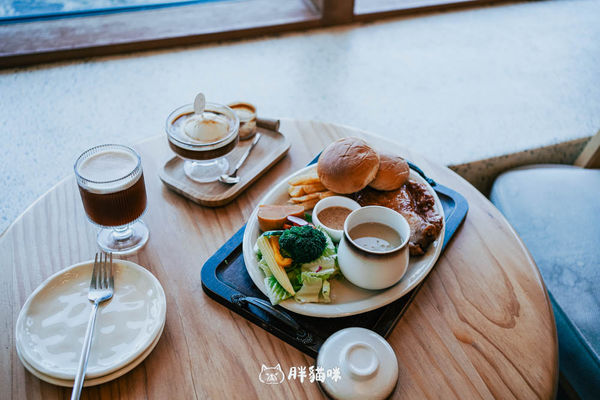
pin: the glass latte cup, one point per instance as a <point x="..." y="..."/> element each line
<point x="204" y="140"/>
<point x="112" y="189"/>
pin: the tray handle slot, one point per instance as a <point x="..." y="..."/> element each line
<point x="301" y="334"/>
<point x="420" y="172"/>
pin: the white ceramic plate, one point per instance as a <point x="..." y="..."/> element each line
<point x="346" y="299"/>
<point x="93" y="381"/>
<point x="52" y="323"/>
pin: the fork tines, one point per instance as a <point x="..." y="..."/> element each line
<point x="102" y="274"/>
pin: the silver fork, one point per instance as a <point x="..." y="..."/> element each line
<point x="101" y="289"/>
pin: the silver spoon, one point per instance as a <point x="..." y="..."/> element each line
<point x="232" y="179"/>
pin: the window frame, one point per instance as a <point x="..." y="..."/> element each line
<point x="57" y="39"/>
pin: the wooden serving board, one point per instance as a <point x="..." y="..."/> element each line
<point x="271" y="148"/>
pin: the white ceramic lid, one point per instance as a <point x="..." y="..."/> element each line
<point x="367" y="364"/>
<point x="52" y="323"/>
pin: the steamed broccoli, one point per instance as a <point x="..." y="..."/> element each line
<point x="303" y="243"/>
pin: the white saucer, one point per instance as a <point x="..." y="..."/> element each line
<point x="93" y="381"/>
<point x="52" y="323"/>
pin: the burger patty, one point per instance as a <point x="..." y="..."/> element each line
<point x="415" y="203"/>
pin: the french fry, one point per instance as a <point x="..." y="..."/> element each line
<point x="307" y="190"/>
<point x="306" y="197"/>
<point x="308" y="201"/>
<point x="301" y="190"/>
<point x="327" y="193"/>
<point x="305" y="179"/>
<point x="309" y="204"/>
<point x="313" y="187"/>
<point x="296" y="191"/>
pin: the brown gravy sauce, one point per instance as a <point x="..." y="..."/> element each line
<point x="334" y="217"/>
<point x="374" y="236"/>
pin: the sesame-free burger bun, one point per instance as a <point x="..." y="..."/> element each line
<point x="347" y="165"/>
<point x="392" y="174"/>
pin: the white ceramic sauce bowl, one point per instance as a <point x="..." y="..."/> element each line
<point x="371" y="269"/>
<point x="333" y="201"/>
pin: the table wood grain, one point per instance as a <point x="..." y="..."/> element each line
<point x="481" y="326"/>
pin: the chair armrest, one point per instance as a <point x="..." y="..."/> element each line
<point x="590" y="155"/>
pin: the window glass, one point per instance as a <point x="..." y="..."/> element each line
<point x="19" y="10"/>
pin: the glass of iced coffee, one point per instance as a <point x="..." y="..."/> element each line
<point x="203" y="140"/>
<point x="111" y="184"/>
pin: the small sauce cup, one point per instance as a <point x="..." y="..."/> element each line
<point x="246" y="112"/>
<point x="332" y="201"/>
<point x="371" y="269"/>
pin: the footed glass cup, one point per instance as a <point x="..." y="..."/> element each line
<point x="204" y="160"/>
<point x="113" y="192"/>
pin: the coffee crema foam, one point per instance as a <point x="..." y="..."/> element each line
<point x="108" y="165"/>
<point x="206" y="129"/>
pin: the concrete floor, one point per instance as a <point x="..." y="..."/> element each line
<point x="458" y="86"/>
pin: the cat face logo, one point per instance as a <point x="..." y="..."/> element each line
<point x="271" y="375"/>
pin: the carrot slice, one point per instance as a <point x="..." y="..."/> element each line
<point x="281" y="260"/>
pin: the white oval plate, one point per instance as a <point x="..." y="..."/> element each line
<point x="93" y="381"/>
<point x="52" y="323"/>
<point x="346" y="299"/>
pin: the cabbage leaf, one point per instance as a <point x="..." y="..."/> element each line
<point x="275" y="291"/>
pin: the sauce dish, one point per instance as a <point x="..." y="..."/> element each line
<point x="368" y="268"/>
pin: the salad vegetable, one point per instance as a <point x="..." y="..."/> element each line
<point x="282" y="261"/>
<point x="276" y="270"/>
<point x="303" y="243"/>
<point x="306" y="280"/>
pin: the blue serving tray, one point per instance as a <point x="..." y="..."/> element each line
<point x="225" y="279"/>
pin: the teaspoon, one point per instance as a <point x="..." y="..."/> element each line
<point x="199" y="104"/>
<point x="232" y="179"/>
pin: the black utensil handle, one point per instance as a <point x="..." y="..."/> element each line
<point x="420" y="172"/>
<point x="301" y="334"/>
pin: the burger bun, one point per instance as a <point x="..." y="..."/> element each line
<point x="392" y="174"/>
<point x="347" y="165"/>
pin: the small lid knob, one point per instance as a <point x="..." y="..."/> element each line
<point x="360" y="360"/>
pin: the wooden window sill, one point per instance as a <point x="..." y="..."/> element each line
<point x="65" y="38"/>
<point x="52" y="40"/>
<point x="369" y="10"/>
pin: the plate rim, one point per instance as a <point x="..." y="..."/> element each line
<point x="19" y="335"/>
<point x="300" y="308"/>
<point x="97" y="380"/>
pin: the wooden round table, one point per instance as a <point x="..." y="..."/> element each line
<point x="480" y="327"/>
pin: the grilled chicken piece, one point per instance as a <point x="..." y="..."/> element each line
<point x="415" y="203"/>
